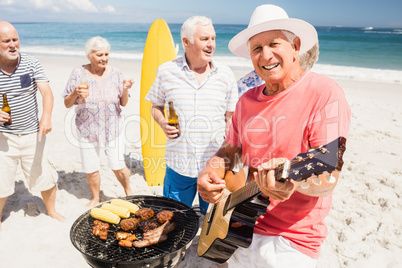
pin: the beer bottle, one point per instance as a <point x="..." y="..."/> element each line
<point x="173" y="118"/>
<point x="6" y="108"/>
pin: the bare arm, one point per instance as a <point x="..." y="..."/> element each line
<point x="70" y="99"/>
<point x="45" y="123"/>
<point x="228" y="121"/>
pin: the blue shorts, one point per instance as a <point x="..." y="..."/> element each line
<point x="182" y="188"/>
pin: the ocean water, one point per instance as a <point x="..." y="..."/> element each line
<point x="353" y="53"/>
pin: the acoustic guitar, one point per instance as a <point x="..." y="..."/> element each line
<point x="229" y="224"/>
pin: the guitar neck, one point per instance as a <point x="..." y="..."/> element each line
<point x="248" y="191"/>
<point x="326" y="158"/>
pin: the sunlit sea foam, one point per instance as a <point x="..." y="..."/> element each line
<point x="334" y="71"/>
<point x="359" y="74"/>
<point x="59" y="51"/>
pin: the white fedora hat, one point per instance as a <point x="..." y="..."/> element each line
<point x="271" y="17"/>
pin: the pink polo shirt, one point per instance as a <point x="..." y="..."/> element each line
<point x="311" y="112"/>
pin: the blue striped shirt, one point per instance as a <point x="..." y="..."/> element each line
<point x="21" y="88"/>
<point x="201" y="109"/>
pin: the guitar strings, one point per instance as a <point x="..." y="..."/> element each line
<point x="238" y="196"/>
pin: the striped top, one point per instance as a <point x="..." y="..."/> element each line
<point x="21" y="88"/>
<point x="201" y="110"/>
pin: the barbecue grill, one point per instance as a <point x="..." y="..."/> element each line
<point x="99" y="253"/>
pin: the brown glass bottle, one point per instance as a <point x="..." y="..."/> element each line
<point x="173" y="118"/>
<point x="6" y="108"/>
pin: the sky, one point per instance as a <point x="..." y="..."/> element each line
<point x="353" y="13"/>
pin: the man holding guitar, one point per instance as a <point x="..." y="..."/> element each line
<point x="293" y="112"/>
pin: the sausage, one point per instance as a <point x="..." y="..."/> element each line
<point x="148" y="242"/>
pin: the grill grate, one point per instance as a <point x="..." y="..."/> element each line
<point x="110" y="252"/>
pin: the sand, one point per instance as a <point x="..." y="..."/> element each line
<point x="364" y="223"/>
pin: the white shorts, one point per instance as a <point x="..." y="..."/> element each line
<point x="270" y="252"/>
<point x="27" y="152"/>
<point x="90" y="154"/>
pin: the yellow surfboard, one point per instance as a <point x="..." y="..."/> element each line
<point x="159" y="48"/>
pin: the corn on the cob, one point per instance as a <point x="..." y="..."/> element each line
<point x="105" y="215"/>
<point x="120" y="211"/>
<point x="126" y="204"/>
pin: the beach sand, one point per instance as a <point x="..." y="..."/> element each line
<point x="364" y="225"/>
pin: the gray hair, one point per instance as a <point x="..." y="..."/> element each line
<point x="289" y="35"/>
<point x="308" y="58"/>
<point x="189" y="27"/>
<point x="96" y="43"/>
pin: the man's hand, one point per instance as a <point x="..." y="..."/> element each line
<point x="269" y="186"/>
<point x="158" y="114"/>
<point x="45" y="126"/>
<point x="45" y="123"/>
<point x="210" y="186"/>
<point x="171" y="132"/>
<point x="4" y="117"/>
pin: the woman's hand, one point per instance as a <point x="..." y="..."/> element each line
<point x="83" y="92"/>
<point x="127" y="84"/>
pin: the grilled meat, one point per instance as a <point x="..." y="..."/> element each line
<point x="164" y="216"/>
<point x="148" y="242"/>
<point x="101" y="223"/>
<point x="165" y="228"/>
<point x="148" y="225"/>
<point x="125" y="239"/>
<point x="100" y="229"/>
<point x="122" y="235"/>
<point x="130" y="224"/>
<point x="126" y="243"/>
<point x="144" y="213"/>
